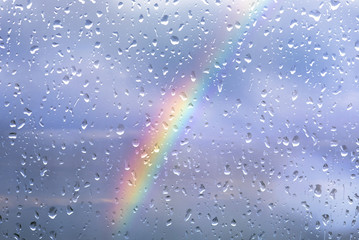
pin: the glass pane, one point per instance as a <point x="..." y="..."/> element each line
<point x="178" y="119"/>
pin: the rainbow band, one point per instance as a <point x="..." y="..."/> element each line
<point x="145" y="162"/>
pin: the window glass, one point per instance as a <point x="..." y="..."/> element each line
<point x="179" y="119"/>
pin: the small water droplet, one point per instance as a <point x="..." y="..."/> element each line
<point x="57" y="24"/>
<point x="135" y="142"/>
<point x="295" y="141"/>
<point x="69" y="210"/>
<point x="227" y="169"/>
<point x="188" y="215"/>
<point x="34" y="49"/>
<point x="325" y="167"/>
<point x="233" y="223"/>
<point x="12" y="135"/>
<point x="262" y="186"/>
<point x="33" y="226"/>
<point x="52" y="212"/>
<point x="177" y="170"/>
<point x="248" y="58"/>
<point x="332" y="193"/>
<point x="248" y="138"/>
<point x="357" y="45"/>
<point x="294" y="95"/>
<point x="66" y="80"/>
<point x="84" y="124"/>
<point x="334" y="4"/>
<point x="164" y="20"/>
<point x="174" y="40"/>
<point x="88" y="24"/>
<point x="315" y="14"/>
<point x="318" y="190"/>
<point x="120" y="129"/>
<point x="215" y="221"/>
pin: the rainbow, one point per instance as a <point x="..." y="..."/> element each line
<point x="174" y="113"/>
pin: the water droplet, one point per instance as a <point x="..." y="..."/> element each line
<point x="293" y="23"/>
<point x="295" y="141"/>
<point x="33" y="226"/>
<point x="248" y="138"/>
<point x="332" y="193"/>
<point x="315" y="14"/>
<point x="227" y="169"/>
<point x="215" y="221"/>
<point x="188" y="215"/>
<point x="57" y="24"/>
<point x="233" y="223"/>
<point x="325" y="219"/>
<point x="318" y="190"/>
<point x="294" y="95"/>
<point x="164" y="20"/>
<point x="176" y="170"/>
<point x="52" y="212"/>
<point x="248" y="58"/>
<point x="325" y="167"/>
<point x="357" y="45"/>
<point x="120" y="129"/>
<point x="97" y="176"/>
<point x="84" y="124"/>
<point x="193" y="76"/>
<point x="140" y="18"/>
<point x="334" y="4"/>
<point x="12" y="135"/>
<point x="69" y="210"/>
<point x="34" y="49"/>
<point x="132" y="45"/>
<point x="262" y="186"/>
<point x="135" y="142"/>
<point x="21" y="123"/>
<point x="27" y="112"/>
<point x="343" y="150"/>
<point x="174" y="40"/>
<point x="88" y="24"/>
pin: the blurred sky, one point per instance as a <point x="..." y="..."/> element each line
<point x="272" y="144"/>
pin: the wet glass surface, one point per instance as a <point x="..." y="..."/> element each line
<point x="178" y="119"/>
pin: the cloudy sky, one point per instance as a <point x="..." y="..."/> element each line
<point x="269" y="149"/>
